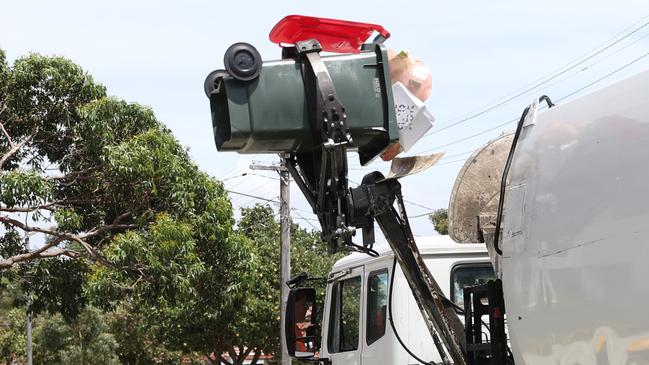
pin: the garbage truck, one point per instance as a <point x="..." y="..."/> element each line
<point x="368" y="314"/>
<point x="559" y="205"/>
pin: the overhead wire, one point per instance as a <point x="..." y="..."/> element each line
<point x="603" y="77"/>
<point x="253" y="196"/>
<point x="624" y="34"/>
<point x="558" y="100"/>
<point x="547" y="78"/>
<point x="307" y="220"/>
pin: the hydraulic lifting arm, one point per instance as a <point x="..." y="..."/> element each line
<point x="321" y="174"/>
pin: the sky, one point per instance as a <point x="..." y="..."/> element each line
<point x="481" y="53"/>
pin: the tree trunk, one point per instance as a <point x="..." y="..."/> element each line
<point x="255" y="358"/>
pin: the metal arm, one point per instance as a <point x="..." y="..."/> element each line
<point x="321" y="174"/>
<point x="374" y="199"/>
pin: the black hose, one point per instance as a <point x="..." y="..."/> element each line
<point x="394" y="329"/>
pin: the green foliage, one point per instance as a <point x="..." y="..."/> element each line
<point x="11" y="244"/>
<point x="12" y="336"/>
<point x="54" y="286"/>
<point x="439" y="218"/>
<point x="67" y="219"/>
<point x="163" y="257"/>
<point x="24" y="188"/>
<point x="257" y="323"/>
<point x="84" y="341"/>
<point x="40" y="98"/>
<point x="110" y="184"/>
<point x="121" y="187"/>
<point x="136" y="339"/>
<point x="51" y="337"/>
<point x="185" y="273"/>
<point x="116" y="188"/>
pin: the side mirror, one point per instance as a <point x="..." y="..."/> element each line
<point x="300" y="326"/>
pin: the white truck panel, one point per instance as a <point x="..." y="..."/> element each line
<point x="576" y="228"/>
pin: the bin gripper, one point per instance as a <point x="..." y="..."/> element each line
<point x="321" y="173"/>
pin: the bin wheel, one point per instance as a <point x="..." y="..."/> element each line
<point x="212" y="81"/>
<point x="242" y="61"/>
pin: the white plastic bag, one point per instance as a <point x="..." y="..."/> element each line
<point x="413" y="119"/>
<point x="412" y="82"/>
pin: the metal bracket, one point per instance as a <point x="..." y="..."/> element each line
<point x="494" y="350"/>
<point x="530" y="118"/>
<point x="322" y="174"/>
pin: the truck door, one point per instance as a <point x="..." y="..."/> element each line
<point x="343" y="337"/>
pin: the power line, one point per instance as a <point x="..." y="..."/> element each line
<point x="471" y="136"/>
<point x="420" y="215"/>
<point x="452" y="162"/>
<point x="604" y="77"/>
<point x="558" y="100"/>
<point x="234" y="172"/>
<point x="306" y="219"/>
<point x="253" y="196"/>
<point x="267" y="177"/>
<point x="489" y="107"/>
<point x="250" y="174"/>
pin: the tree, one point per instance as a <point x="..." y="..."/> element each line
<point x="12" y="336"/>
<point x="137" y="340"/>
<point x="103" y="181"/>
<point x="184" y="288"/>
<point x="85" y="341"/>
<point x="439" y="218"/>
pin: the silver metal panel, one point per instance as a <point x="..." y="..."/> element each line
<point x="575" y="233"/>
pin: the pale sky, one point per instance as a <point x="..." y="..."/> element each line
<point x="157" y="53"/>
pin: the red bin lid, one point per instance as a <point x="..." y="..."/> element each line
<point x="334" y="35"/>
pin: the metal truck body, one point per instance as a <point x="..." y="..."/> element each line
<point x="575" y="248"/>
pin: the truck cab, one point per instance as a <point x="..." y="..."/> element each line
<point x="355" y="326"/>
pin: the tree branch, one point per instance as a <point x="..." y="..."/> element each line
<point x="75" y="175"/>
<point x="233" y="354"/>
<point x="26" y="228"/>
<point x="245" y="354"/>
<point x="40" y="252"/>
<point x="4" y="131"/>
<point x="47" y="206"/>
<point x="62" y="236"/>
<point x="255" y="358"/>
<point x="14" y="148"/>
<point x="115" y="225"/>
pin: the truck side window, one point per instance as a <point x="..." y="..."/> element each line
<point x="377" y="304"/>
<point x="470" y="274"/>
<point x="344" y="313"/>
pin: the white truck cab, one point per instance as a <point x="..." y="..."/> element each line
<point x="355" y="326"/>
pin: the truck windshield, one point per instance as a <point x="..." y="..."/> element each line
<point x="470" y="274"/>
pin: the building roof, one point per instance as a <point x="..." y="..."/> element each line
<point x="428" y="246"/>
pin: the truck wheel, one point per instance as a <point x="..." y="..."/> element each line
<point x="212" y="81"/>
<point x="242" y="61"/>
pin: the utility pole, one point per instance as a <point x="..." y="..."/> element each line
<point x="29" y="334"/>
<point x="284" y="244"/>
<point x="29" y="318"/>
